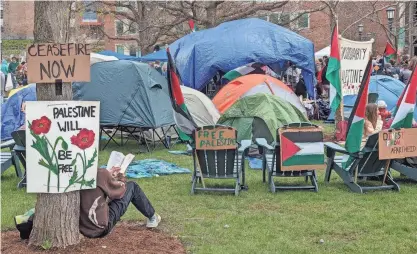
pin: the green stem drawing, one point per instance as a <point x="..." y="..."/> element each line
<point x="56" y="159"/>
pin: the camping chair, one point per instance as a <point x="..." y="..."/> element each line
<point x="272" y="162"/>
<point x="366" y="165"/>
<point x="219" y="163"/>
<point x="9" y="159"/>
<point x="20" y="150"/>
<point x="405" y="169"/>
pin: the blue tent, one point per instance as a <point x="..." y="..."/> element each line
<point x="130" y="93"/>
<point x="117" y="55"/>
<point x="12" y="117"/>
<point x="199" y="56"/>
<point x="160" y="55"/>
<point x="388" y="89"/>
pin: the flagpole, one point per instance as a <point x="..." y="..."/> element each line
<point x="339" y="112"/>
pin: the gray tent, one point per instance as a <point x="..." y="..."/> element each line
<point x="131" y="94"/>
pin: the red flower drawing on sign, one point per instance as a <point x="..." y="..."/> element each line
<point x="84" y="139"/>
<point x="41" y="125"/>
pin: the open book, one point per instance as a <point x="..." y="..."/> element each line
<point x="117" y="159"/>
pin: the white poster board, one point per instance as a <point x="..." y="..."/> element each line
<point x="354" y="58"/>
<point x="62" y="140"/>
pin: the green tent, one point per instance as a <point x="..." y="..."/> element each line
<point x="260" y="115"/>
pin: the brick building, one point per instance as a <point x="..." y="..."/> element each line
<point x="89" y="26"/>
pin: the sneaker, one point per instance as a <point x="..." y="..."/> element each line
<point x="154" y="221"/>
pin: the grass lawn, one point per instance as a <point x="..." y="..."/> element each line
<point x="259" y="221"/>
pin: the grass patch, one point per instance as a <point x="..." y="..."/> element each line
<point x="258" y="221"/>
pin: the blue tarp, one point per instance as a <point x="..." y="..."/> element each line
<point x="12" y="117"/>
<point x="389" y="90"/>
<point x="199" y="56"/>
<point x="160" y="55"/>
<point x="152" y="167"/>
<point x="117" y="55"/>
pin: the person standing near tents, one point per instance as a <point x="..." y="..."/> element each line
<point x="406" y="73"/>
<point x="12" y="70"/>
<point x="325" y="83"/>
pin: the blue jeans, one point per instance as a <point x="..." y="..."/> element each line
<point x="118" y="207"/>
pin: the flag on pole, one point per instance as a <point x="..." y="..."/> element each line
<point x="182" y="116"/>
<point x="404" y="114"/>
<point x="333" y="71"/>
<point x="357" y="118"/>
<point x="192" y="25"/>
<point x="389" y="52"/>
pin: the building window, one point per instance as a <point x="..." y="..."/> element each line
<point x="284" y="19"/>
<point x="132" y="28"/>
<point x="120" y="49"/>
<point x="119" y="27"/>
<point x="90" y="12"/>
<point x="1" y="14"/>
<point x="133" y="51"/>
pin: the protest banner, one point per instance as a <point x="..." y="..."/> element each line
<point x="218" y="138"/>
<point x="397" y="144"/>
<point x="67" y="62"/>
<point x="62" y="150"/>
<point x="354" y="58"/>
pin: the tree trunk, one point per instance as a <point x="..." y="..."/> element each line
<point x="56" y="220"/>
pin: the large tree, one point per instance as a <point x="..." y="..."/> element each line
<point x="164" y="22"/>
<point x="56" y="221"/>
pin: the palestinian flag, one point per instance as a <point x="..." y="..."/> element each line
<point x="357" y="118"/>
<point x="183" y="119"/>
<point x="389" y="52"/>
<point x="192" y="25"/>
<point x="301" y="150"/>
<point x="405" y="111"/>
<point x="333" y="72"/>
<point x="251" y="68"/>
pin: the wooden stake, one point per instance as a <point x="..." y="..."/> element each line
<point x="386" y="171"/>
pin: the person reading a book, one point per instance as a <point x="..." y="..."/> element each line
<point x="102" y="207"/>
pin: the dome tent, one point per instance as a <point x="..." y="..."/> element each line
<point x="131" y="94"/>
<point x="260" y="115"/>
<point x="200" y="107"/>
<point x="252" y="84"/>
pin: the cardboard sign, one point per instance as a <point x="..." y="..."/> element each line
<point x="301" y="149"/>
<point x="48" y="62"/>
<point x="397" y="144"/>
<point x="354" y="58"/>
<point x="62" y="140"/>
<point x="219" y="138"/>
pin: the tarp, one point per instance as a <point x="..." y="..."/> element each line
<point x="96" y="58"/>
<point x="160" y="55"/>
<point x="131" y="94"/>
<point x="253" y="84"/>
<point x="322" y="52"/>
<point x="200" y="107"/>
<point x="117" y="55"/>
<point x="12" y="117"/>
<point x="260" y="115"/>
<point x="389" y="90"/>
<point x="200" y="55"/>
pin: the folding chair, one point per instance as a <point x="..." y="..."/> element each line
<point x="9" y="159"/>
<point x="218" y="162"/>
<point x="365" y="165"/>
<point x="272" y="159"/>
<point x="20" y="149"/>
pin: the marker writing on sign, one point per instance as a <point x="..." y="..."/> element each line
<point x="64" y="155"/>
<point x="72" y="113"/>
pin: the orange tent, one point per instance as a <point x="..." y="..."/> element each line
<point x="253" y="84"/>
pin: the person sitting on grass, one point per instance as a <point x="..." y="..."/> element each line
<point x="102" y="207"/>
